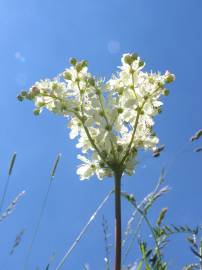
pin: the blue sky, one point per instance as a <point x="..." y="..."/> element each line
<point x="37" y="39"/>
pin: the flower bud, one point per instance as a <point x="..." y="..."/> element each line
<point x="84" y="118"/>
<point x="81" y="65"/>
<point x="73" y="61"/>
<point x="101" y="164"/>
<point x="20" y="97"/>
<point x="24" y="93"/>
<point x="54" y="86"/>
<point x="36" y="111"/>
<point x="160" y="85"/>
<point x="35" y="90"/>
<point x="91" y="81"/>
<point x="93" y="166"/>
<point x="134" y="150"/>
<point x="120" y="90"/>
<point x="67" y="75"/>
<point x="146" y="97"/>
<point x="159" y="110"/>
<point x="40" y="104"/>
<point x="134" y="56"/>
<point x="166" y="92"/>
<point x="141" y="63"/>
<point x="63" y="107"/>
<point x="108" y="127"/>
<point x="101" y="113"/>
<point x="98" y="92"/>
<point x="84" y="63"/>
<point x="120" y="110"/>
<point x="127" y="59"/>
<point x="130" y="58"/>
<point x="169" y="77"/>
<point x="140" y="143"/>
<point x="119" y="148"/>
<point x="151" y="80"/>
<point x="104" y="153"/>
<point x="82" y="91"/>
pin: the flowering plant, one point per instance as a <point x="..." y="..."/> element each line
<point x="112" y="119"/>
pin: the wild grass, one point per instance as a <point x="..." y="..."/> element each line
<point x="41" y="213"/>
<point x="10" y="169"/>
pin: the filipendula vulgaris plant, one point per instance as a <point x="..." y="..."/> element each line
<point x="113" y="120"/>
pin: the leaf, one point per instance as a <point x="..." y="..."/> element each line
<point x="12" y="162"/>
<point x="191" y="266"/>
<point x="47" y="267"/>
<point x="148" y="267"/>
<point x="192" y="241"/>
<point x="196" y="136"/>
<point x="129" y="197"/>
<point x="158" y="150"/>
<point x="148" y="253"/>
<point x="139" y="266"/>
<point x="143" y="248"/>
<point x="168" y="229"/>
<point x="161" y="216"/>
<point x="176" y="228"/>
<point x="199" y="149"/>
<point x="55" y="165"/>
<point x="196" y="252"/>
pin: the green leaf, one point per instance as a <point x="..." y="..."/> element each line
<point x="196" y="136"/>
<point x="139" y="266"/>
<point x="47" y="267"/>
<point x="168" y="229"/>
<point x="196" y="252"/>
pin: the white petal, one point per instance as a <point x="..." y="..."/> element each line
<point x="84" y="159"/>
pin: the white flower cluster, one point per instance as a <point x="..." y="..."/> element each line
<point x="112" y="119"/>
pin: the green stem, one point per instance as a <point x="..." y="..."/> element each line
<point x="107" y="122"/>
<point x="132" y="137"/>
<point x="135" y="125"/>
<point x="85" y="128"/>
<point x="92" y="141"/>
<point x="117" y="183"/>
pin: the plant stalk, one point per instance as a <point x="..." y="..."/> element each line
<point x="117" y="183"/>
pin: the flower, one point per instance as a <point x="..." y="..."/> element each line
<point x="86" y="169"/>
<point x="112" y="120"/>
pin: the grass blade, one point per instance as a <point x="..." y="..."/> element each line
<point x="44" y="203"/>
<point x="69" y="251"/>
<point x="10" y="169"/>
